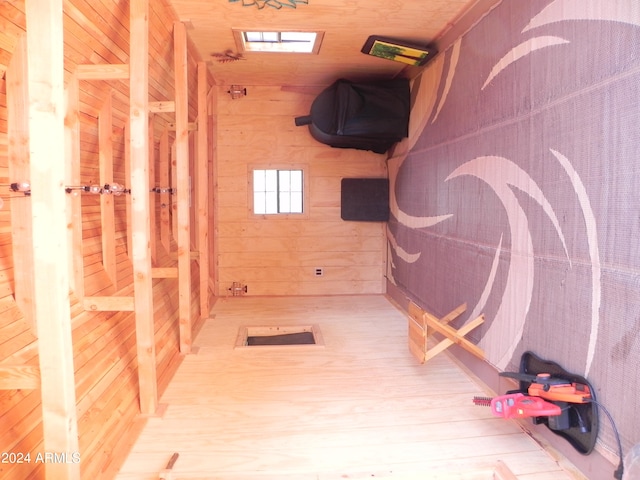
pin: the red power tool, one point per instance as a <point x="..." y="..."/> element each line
<point x="554" y="389"/>
<point x="518" y="405"/>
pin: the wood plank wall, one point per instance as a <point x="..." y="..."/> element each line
<point x="104" y="342"/>
<point x="275" y="255"/>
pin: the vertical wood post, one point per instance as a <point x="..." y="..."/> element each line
<point x="127" y="176"/>
<point x="19" y="170"/>
<point x="202" y="188"/>
<point x="164" y="181"/>
<point x="50" y="249"/>
<point x="107" y="204"/>
<point x="74" y="202"/>
<point x="152" y="196"/>
<point x="182" y="184"/>
<point x="139" y="151"/>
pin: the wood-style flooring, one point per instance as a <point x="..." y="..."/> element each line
<point x="358" y="407"/>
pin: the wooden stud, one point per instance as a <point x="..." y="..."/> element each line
<point x="213" y="198"/>
<point x="50" y="249"/>
<point x="422" y="324"/>
<point x="74" y="201"/>
<point x="165" y="198"/>
<point x="456" y="336"/>
<point x="182" y="185"/>
<point x="152" y="196"/>
<point x="139" y="151"/>
<point x="108" y="304"/>
<point x="162" y="107"/>
<point x="127" y="174"/>
<point x="164" y="272"/>
<point x="202" y="188"/>
<point x="191" y="126"/>
<point x="103" y="72"/>
<point x="14" y="377"/>
<point x="18" y="150"/>
<point x="107" y="205"/>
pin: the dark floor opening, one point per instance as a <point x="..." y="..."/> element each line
<point x="299" y="338"/>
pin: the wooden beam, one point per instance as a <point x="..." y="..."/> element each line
<point x="202" y="188"/>
<point x="107" y="205"/>
<point x="165" y="272"/>
<point x="19" y="377"/>
<point x="165" y="199"/>
<point x="192" y="255"/>
<point x="50" y="249"/>
<point x="103" y="72"/>
<point x="74" y="201"/>
<point x="127" y="175"/>
<point x="213" y="198"/>
<point x="456" y="336"/>
<point x="109" y="304"/>
<point x="162" y="107"/>
<point x="152" y="196"/>
<point x="191" y="126"/>
<point x="19" y="171"/>
<point x="182" y="185"/>
<point x="139" y="150"/>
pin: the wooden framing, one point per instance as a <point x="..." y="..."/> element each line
<point x="108" y="304"/>
<point x="423" y="324"/>
<point x="107" y="205"/>
<point x="74" y="202"/>
<point x="152" y="195"/>
<point x="18" y="150"/>
<point x="103" y="72"/>
<point x="202" y="188"/>
<point x="19" y="377"/>
<point x="165" y="199"/>
<point x="182" y="185"/>
<point x="139" y="151"/>
<point x="50" y="250"/>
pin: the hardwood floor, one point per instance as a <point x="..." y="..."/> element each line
<point x="358" y="407"/>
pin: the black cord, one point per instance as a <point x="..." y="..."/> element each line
<point x="620" y="470"/>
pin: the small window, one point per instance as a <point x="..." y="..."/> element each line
<point x="278" y="41"/>
<point x="277" y="191"/>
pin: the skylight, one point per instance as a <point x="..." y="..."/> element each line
<point x="278" y="41"/>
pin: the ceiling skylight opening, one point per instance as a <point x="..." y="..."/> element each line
<point x="278" y="41"/>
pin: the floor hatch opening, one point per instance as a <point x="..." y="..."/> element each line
<point x="294" y="335"/>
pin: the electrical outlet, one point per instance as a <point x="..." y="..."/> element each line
<point x="318" y="271"/>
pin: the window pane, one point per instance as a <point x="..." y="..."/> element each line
<point x="296" y="180"/>
<point x="296" y="202"/>
<point x="259" y="181"/>
<point x="285" y="180"/>
<point x="259" y="206"/>
<point x="253" y="36"/>
<point x="270" y="36"/>
<point x="277" y="191"/>
<point x="271" y="202"/>
<point x="285" y="202"/>
<point x="271" y="180"/>
<point x="308" y="37"/>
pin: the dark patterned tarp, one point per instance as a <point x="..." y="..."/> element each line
<point x="518" y="191"/>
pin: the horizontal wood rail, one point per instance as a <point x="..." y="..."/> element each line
<point x="19" y="377"/>
<point x="109" y="304"/>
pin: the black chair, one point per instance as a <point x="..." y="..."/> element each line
<point x="364" y="116"/>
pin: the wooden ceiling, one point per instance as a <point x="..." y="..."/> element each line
<point x="347" y="25"/>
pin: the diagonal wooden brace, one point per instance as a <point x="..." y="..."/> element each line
<point x="452" y="336"/>
<point x="422" y="324"/>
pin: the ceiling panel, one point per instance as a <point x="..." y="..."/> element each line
<point x="347" y="25"/>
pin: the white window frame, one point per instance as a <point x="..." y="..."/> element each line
<point x="277" y="214"/>
<point x="274" y="42"/>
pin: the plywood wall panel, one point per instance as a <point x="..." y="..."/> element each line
<point x="277" y="256"/>
<point x="104" y="342"/>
